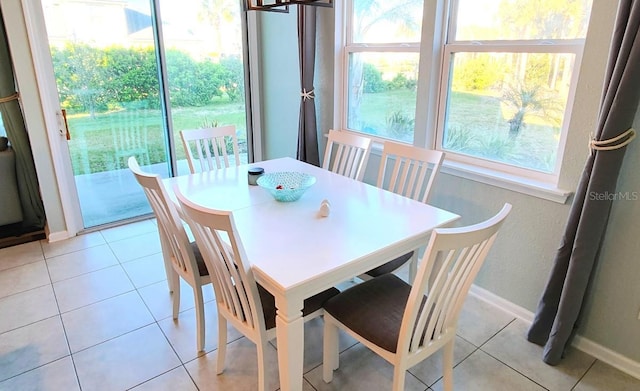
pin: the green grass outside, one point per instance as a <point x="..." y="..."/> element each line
<point x="92" y="144"/>
<point x="377" y="107"/>
<point x="477" y="125"/>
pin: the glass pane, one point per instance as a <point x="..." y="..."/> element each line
<point x="382" y="94"/>
<point x="203" y="45"/>
<point x="391" y="21"/>
<point x="479" y="20"/>
<point x="105" y="66"/>
<point x="508" y="107"/>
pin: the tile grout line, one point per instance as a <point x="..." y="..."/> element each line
<point x="504" y="363"/>
<point x="64" y="329"/>
<point x="584" y="374"/>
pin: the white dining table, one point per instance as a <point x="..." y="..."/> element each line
<point x="295" y="252"/>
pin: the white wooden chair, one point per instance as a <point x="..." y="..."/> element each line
<point x="405" y="324"/>
<point x="130" y="137"/>
<point x="347" y="154"/>
<point x="248" y="306"/>
<point x="182" y="257"/>
<point x="207" y="148"/>
<point x="409" y="171"/>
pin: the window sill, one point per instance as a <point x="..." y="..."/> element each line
<point x="499" y="179"/>
<point x="506" y="181"/>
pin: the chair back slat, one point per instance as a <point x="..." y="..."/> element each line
<point x="208" y="147"/>
<point x="234" y="284"/>
<point x="346" y="154"/>
<point x="172" y="232"/>
<point x="453" y="286"/>
<point x="408" y="170"/>
<point x="453" y="258"/>
<point x="130" y="137"/>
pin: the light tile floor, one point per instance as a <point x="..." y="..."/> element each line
<point x="94" y="313"/>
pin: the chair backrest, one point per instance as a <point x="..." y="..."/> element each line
<point x="130" y="136"/>
<point x="408" y="170"/>
<point x="350" y="154"/>
<point x="173" y="236"/>
<point x="451" y="262"/>
<point x="235" y="287"/>
<point x="208" y="148"/>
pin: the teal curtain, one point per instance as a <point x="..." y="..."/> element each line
<point x="32" y="207"/>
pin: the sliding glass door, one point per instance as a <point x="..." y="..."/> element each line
<point x="203" y="46"/>
<point x="130" y="75"/>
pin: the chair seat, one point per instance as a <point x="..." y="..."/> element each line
<point x="383" y="298"/>
<point x="390" y="266"/>
<point x="202" y="267"/>
<point x="311" y="304"/>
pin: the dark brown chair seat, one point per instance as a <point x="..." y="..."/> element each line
<point x="383" y="299"/>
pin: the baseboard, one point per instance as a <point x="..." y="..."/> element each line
<point x="57" y="236"/>
<point x="608" y="356"/>
<point x="583" y="344"/>
<point x="503" y="304"/>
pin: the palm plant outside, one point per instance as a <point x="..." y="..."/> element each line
<point x="528" y="101"/>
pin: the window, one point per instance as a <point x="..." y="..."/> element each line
<point x="381" y="61"/>
<point x="504" y="76"/>
<point x="509" y="74"/>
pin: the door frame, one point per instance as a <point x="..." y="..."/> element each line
<point x="52" y="114"/>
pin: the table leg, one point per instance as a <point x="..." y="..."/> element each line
<point x="290" y="333"/>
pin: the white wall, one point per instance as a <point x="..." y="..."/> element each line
<point x="280" y="100"/>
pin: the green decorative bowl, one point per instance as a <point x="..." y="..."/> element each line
<point x="286" y="186"/>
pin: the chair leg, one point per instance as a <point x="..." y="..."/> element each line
<point x="199" y="302"/>
<point x="176" y="295"/>
<point x="222" y="343"/>
<point x="447" y="365"/>
<point x="169" y="278"/>
<point x="399" y="373"/>
<point x="262" y="381"/>
<point x="330" y="353"/>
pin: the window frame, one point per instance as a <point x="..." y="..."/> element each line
<point x="428" y="131"/>
<point x="573" y="46"/>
